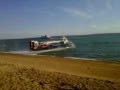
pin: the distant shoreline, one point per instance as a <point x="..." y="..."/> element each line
<point x="38" y="36"/>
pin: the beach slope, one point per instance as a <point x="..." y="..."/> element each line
<point x="26" y="72"/>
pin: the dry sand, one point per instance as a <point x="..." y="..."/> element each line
<point x="57" y="73"/>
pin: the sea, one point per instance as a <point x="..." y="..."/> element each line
<point x="93" y="47"/>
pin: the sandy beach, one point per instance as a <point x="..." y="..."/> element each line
<point x="64" y="73"/>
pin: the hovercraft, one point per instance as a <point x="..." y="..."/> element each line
<point x="50" y="44"/>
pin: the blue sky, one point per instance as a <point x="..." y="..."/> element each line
<point x="30" y="18"/>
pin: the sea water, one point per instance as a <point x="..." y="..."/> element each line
<point x="97" y="46"/>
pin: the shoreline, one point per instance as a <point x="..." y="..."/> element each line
<point x="67" y="57"/>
